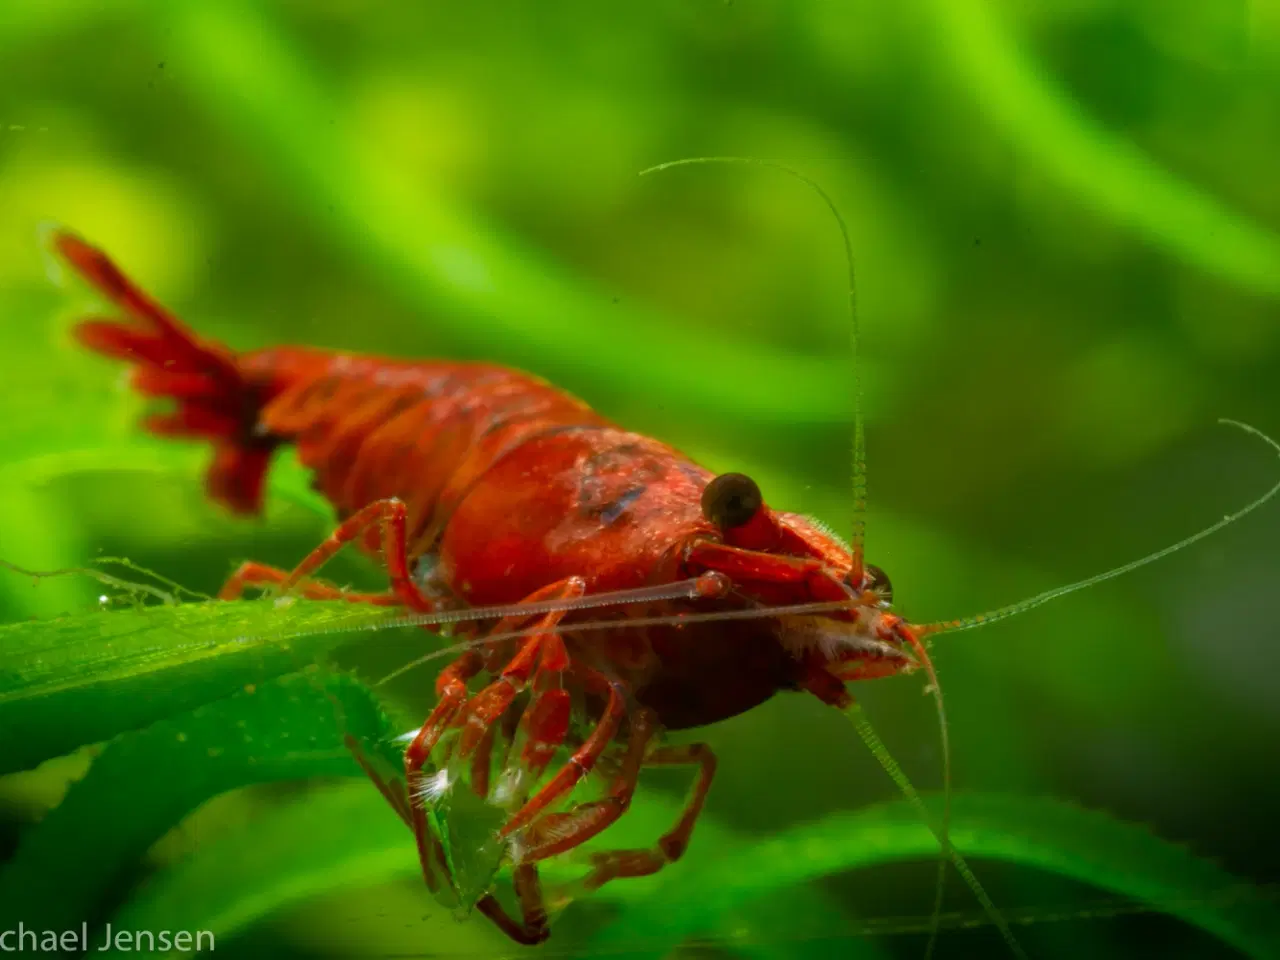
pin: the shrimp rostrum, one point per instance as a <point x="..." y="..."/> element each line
<point x="614" y="588"/>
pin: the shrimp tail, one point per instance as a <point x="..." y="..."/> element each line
<point x="214" y="399"/>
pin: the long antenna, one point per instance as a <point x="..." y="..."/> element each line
<point x="1022" y="606"/>
<point x="869" y="736"/>
<point x="859" y="532"/>
<point x="856" y="551"/>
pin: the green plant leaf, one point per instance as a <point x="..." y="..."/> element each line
<point x="1104" y="171"/>
<point x="345" y="837"/>
<point x="1047" y="834"/>
<point x="337" y="838"/>
<point x="106" y="672"/>
<point x="144" y="782"/>
<point x="83" y="679"/>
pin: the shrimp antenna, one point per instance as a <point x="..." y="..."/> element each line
<point x="857" y="543"/>
<point x="859" y="532"/>
<point x="1022" y="606"/>
<point x="874" y="744"/>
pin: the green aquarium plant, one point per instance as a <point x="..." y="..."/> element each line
<point x="1064" y="222"/>
<point x="209" y="731"/>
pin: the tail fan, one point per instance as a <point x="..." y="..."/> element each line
<point x="215" y="401"/>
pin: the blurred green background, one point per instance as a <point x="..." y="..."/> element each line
<point x="1066" y="221"/>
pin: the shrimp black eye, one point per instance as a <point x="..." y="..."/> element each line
<point x="730" y="500"/>
<point x="875" y="579"/>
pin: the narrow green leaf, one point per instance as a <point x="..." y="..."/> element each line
<point x="1050" y="835"/>
<point x="345" y="838"/>
<point x="1104" y="171"/>
<point x="82" y="679"/>
<point x="144" y="782"/>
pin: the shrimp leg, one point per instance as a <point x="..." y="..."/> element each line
<point x="254" y="574"/>
<point x="579" y="765"/>
<point x="477" y="716"/>
<point x="451" y="691"/>
<point x="614" y="864"/>
<point x="550" y="834"/>
<point x="532" y="928"/>
<point x="565" y="831"/>
<point x="390" y="516"/>
<point x="544" y="651"/>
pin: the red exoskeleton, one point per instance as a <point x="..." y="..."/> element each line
<point x="497" y="501"/>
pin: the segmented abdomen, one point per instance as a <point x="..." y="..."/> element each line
<point x="372" y="428"/>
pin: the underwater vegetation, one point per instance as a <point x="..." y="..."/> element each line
<point x="1065" y="232"/>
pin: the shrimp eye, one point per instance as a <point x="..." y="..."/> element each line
<point x="876" y="580"/>
<point x="730" y="500"/>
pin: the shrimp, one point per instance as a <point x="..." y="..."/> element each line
<point x="613" y="588"/>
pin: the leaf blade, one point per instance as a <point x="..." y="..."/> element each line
<point x="85" y="678"/>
